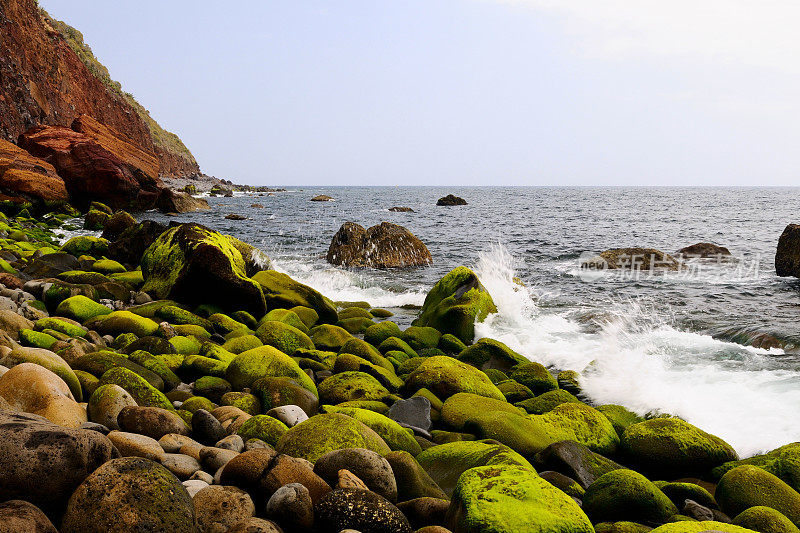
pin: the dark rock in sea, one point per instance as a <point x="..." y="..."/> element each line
<point x="703" y="250"/>
<point x="401" y="210"/>
<point x="787" y="257"/>
<point x="451" y="199"/>
<point x="257" y="206"/>
<point x="234" y="216"/>
<point x="385" y="245"/>
<point x="116" y="224"/>
<point x="361" y="510"/>
<point x="180" y="202"/>
<point x="133" y="241"/>
<point x="632" y="259"/>
<point x="322" y="198"/>
<point x="17" y="516"/>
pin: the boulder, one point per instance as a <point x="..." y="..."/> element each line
<point x="359" y="510"/>
<point x="105" y="404"/>
<point x="323" y="433"/>
<point x="489" y="353"/>
<point x="322" y="198"/>
<point x="445" y="376"/>
<point x="411" y="479"/>
<point x="130" y="494"/>
<point x="385" y="245"/>
<point x="180" y="202"/>
<point x="90" y="171"/>
<point x="218" y="508"/>
<point x="629" y="496"/>
<point x="42" y="462"/>
<point x="32" y="388"/>
<point x="401" y="209"/>
<point x="28" y="178"/>
<point x="153" y="422"/>
<point x="787" y="256"/>
<point x="116" y="224"/>
<point x="397" y="437"/>
<point x="262" y="362"/>
<point x="703" y="250"/>
<point x="451" y="200"/>
<point x="282" y="292"/>
<point x="196" y="265"/>
<point x="506" y="498"/>
<point x="18" y="516"/>
<point x="369" y="466"/>
<point x="575" y="461"/>
<point x="631" y="259"/>
<point x="455" y="303"/>
<point x="748" y="486"/>
<point x="762" y="518"/>
<point x="129" y="245"/>
<point x="49" y="360"/>
<point x="292" y="507"/>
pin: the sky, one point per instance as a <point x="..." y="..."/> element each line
<point x="464" y="92"/>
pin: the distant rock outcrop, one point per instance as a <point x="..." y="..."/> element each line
<point x="382" y="246"/>
<point x="24" y="178"/>
<point x="451" y="199"/>
<point x="787" y="257"/>
<point x="632" y="259"/>
<point x="401" y="210"/>
<point x="180" y="202"/>
<point x="322" y="198"/>
<point x="703" y="250"/>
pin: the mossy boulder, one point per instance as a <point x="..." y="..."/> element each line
<point x="765" y="520"/>
<point x="506" y="499"/>
<point x="276" y="392"/>
<point x="783" y="462"/>
<point x="455" y="303"/>
<point x="108" y="266"/>
<point x="673" y="448"/>
<point x="265" y="361"/>
<point x="98" y="363"/>
<point x="263" y="427"/>
<point x="396" y="344"/>
<point x="196" y="265"/>
<point x="145" y="394"/>
<point x="698" y="527"/>
<point x="679" y="492"/>
<point x="348" y="362"/>
<point x="158" y="366"/>
<point x="62" y="326"/>
<point x="398" y="438"/>
<point x="212" y="387"/>
<point x="366" y="351"/>
<point x="515" y="392"/>
<point x="81" y="308"/>
<point x="288" y="317"/>
<point x="329" y="337"/>
<point x="459" y="408"/>
<point x="355" y="325"/>
<point x="451" y="344"/>
<point x="627" y="495"/>
<point x="178" y="316"/>
<point x="354" y="312"/>
<point x="324" y="433"/>
<point x="445" y="463"/>
<point x="353" y="385"/>
<point x="445" y="376"/>
<point x="185" y="345"/>
<point x="621" y="417"/>
<point x="546" y="402"/>
<point x="118" y="322"/>
<point x="377" y="333"/>
<point x="84" y="245"/>
<point x="748" y="486"/>
<point x="241" y="344"/>
<point x="535" y="376"/>
<point x="50" y="360"/>
<point x="282" y="336"/>
<point x="36" y="339"/>
<point x="249" y="403"/>
<point x="421" y="337"/>
<point x="282" y="292"/>
<point x="489" y="353"/>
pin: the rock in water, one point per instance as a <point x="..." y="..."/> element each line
<point x="385" y="245"/>
<point x="180" y="202"/>
<point x="196" y="265"/>
<point x="451" y="199"/>
<point x="322" y="198"/>
<point x="400" y="209"/>
<point x="455" y="303"/>
<point x="704" y="250"/>
<point x="787" y="257"/>
<point x="632" y="259"/>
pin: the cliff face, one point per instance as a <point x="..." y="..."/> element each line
<point x="49" y="76"/>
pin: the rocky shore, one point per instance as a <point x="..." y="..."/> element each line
<point x="165" y="379"/>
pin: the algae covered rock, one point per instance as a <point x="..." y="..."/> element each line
<point x="455" y="303"/>
<point x="282" y="292"/>
<point x="51" y="361"/>
<point x="283" y="336"/>
<point x="489" y="353"/>
<point x="674" y="448"/>
<point x="765" y="520"/>
<point x="196" y="265"/>
<point x="629" y="496"/>
<point x="697" y="527"/>
<point x="263" y="427"/>
<point x="138" y="387"/>
<point x="507" y="499"/>
<point x="390" y="431"/>
<point x="352" y="385"/>
<point x="265" y="361"/>
<point x="323" y="433"/>
<point x="748" y="486"/>
<point x="81" y="308"/>
<point x="445" y="376"/>
<point x="119" y="322"/>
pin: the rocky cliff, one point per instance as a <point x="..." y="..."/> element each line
<point x="48" y="75"/>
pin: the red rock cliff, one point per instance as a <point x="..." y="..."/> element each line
<point x="49" y="76"/>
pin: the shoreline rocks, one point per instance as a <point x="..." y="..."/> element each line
<point x="451" y="200"/>
<point x="631" y="259"/>
<point x="384" y="245"/>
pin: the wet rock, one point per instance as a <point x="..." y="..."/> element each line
<point x="411" y="479"/>
<point x="133" y="241"/>
<point x="129" y="495"/>
<point x="360" y="510"/>
<point x="235" y="216"/>
<point x="180" y="202"/>
<point x="451" y="200"/>
<point x="246" y="469"/>
<point x="382" y="246"/>
<point x="231" y="442"/>
<point x="18" y="516"/>
<point x="575" y="461"/>
<point x="627" y="495"/>
<point x="217" y="508"/>
<point x="292" y="507"/>
<point x="153" y="422"/>
<point x="400" y="209"/>
<point x="32" y="388"/>
<point x="703" y="250"/>
<point x="414" y="412"/>
<point x="216" y="458"/>
<point x="787" y="256"/>
<point x="322" y="198"/>
<point x="631" y="259"/>
<point x="367" y="465"/>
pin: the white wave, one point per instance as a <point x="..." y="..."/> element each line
<point x="63" y="235"/>
<point x="643" y="362"/>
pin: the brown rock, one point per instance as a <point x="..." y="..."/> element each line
<point x="12" y="323"/>
<point x="423" y="512"/>
<point x="348" y="480"/>
<point x="291" y="506"/>
<point x="632" y="259"/>
<point x="217" y="508"/>
<point x="17" y="516"/>
<point x="322" y="198"/>
<point x="401" y="210"/>
<point x="704" y="249"/>
<point x="234" y="216"/>
<point x="133" y="445"/>
<point x="256" y="525"/>
<point x="32" y="388"/>
<point x="361" y="510"/>
<point x="180" y="202"/>
<point x="246" y="469"/>
<point x="450" y="200"/>
<point x="372" y="469"/>
<point x="116" y="224"/>
<point x="286" y="469"/>
<point x="153" y="422"/>
<point x="118" y="144"/>
<point x="33" y="179"/>
<point x="11" y="281"/>
<point x="385" y="245"/>
<point x="787" y="257"/>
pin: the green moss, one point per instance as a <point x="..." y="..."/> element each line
<point x="621" y="527"/>
<point x="98" y="363"/>
<point x="619" y="416"/>
<point x="156" y="365"/>
<point x="245" y="318"/>
<point x="190" y="330"/>
<point x="176" y="315"/>
<point x="547" y="401"/>
<point x="513" y="391"/>
<point x="366" y="351"/>
<point x="698" y="527"/>
<point x="534" y="376"/>
<point x="498" y="376"/>
<point x="265" y="361"/>
<point x="81" y="308"/>
<point x="748" y="486"/>
<point x="355" y="325"/>
<point x="765" y="520"/>
<point x="420" y="337"/>
<point x="329" y="337"/>
<point x="263" y="427"/>
<point x="679" y="492"/>
<point x="626" y="495"/>
<point x="185" y="345"/>
<point x="282" y="336"/>
<point x="89" y="383"/>
<point x="198" y="402"/>
<point x="85" y="245"/>
<point x="118" y="322"/>
<point x="377" y="333"/>
<point x="287" y="317"/>
<point x="212" y="387"/>
<point x="397" y="344"/>
<point x="451" y="344"/>
<point x="445" y="376"/>
<point x="123" y="340"/>
<point x="390" y="431"/>
<point x="81" y="276"/>
<point x="354" y="312"/>
<point x="36" y="339"/>
<point x="348" y="362"/>
<point x="51" y="361"/>
<point x="783" y="462"/>
<point x="223" y="322"/>
<point x="502" y="499"/>
<point x="198" y="365"/>
<point x="369" y="405"/>
<point x="348" y="386"/>
<point x="458" y="409"/>
<point x="436" y="403"/>
<point x="241" y="344"/>
<point x="249" y="403"/>
<point x="108" y="266"/>
<point x="674" y="448"/>
<point x="323" y="433"/>
<point x="149" y="309"/>
<point x="324" y="359"/>
<point x="282" y="292"/>
<point x="60" y="325"/>
<point x="455" y="303"/>
<point x="138" y="387"/>
<point x="489" y="353"/>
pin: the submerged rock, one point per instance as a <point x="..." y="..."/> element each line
<point x="385" y="245"/>
<point x="400" y="209"/>
<point x="631" y="259"/>
<point x="322" y="198"/>
<point x="703" y="250"/>
<point x="451" y="199"/>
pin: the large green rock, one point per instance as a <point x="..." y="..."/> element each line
<point x="85" y="245"/>
<point x="748" y="486"/>
<point x="489" y="353"/>
<point x="352" y="385"/>
<point x="765" y="520"/>
<point x="784" y="462"/>
<point x="672" y="448"/>
<point x="625" y="495"/>
<point x="263" y="427"/>
<point x="324" y="433"/>
<point x="138" y="387"/>
<point x="445" y="376"/>
<point x="282" y="336"/>
<point x="119" y="322"/>
<point x="535" y="376"/>
<point x="455" y="303"/>
<point x="81" y="308"/>
<point x="329" y="337"/>
<point x="265" y="361"/>
<point x="196" y="265"/>
<point x="398" y="438"/>
<point x="511" y="499"/>
<point x="464" y="406"/>
<point x="685" y="526"/>
<point x="282" y="292"/>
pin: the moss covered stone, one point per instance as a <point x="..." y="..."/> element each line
<point x="329" y="337"/>
<point x="36" y="339"/>
<point x="546" y="402"/>
<point x="138" y="387"/>
<point x="620" y="416"/>
<point x="62" y="326"/>
<point x="366" y="351"/>
<point x="679" y="492"/>
<point x="282" y="292"/>
<point x="245" y="318"/>
<point x="118" y="322"/>
<point x="134" y="278"/>
<point x="276" y="392"/>
<point x="263" y="427"/>
<point x="212" y="387"/>
<point x="445" y="463"/>
<point x="535" y="376"/>
<point x="506" y="499"/>
<point x="81" y="308"/>
<point x="185" y="345"/>
<point x="455" y="303"/>
<point x="421" y="337"/>
<point x="249" y="403"/>
<point x="241" y="344"/>
<point x="195" y="403"/>
<point x="377" y="333"/>
<point x="626" y="495"/>
<point x="445" y="376"/>
<point x="265" y="361"/>
<point x="198" y="365"/>
<point x="196" y="265"/>
<point x="348" y="386"/>
<point x="451" y="344"/>
<point x="354" y="312"/>
<point x="368" y="405"/>
<point x="489" y="353"/>
<point x="98" y="363"/>
<point x="748" y="486"/>
<point x="324" y="433"/>
<point x="390" y="431"/>
<point x="177" y="315"/>
<point x="673" y="448"/>
<point x="783" y="462"/>
<point x="50" y="360"/>
<point x="222" y="322"/>
<point x="355" y="325"/>
<point x="698" y="527"/>
<point x="765" y="520"/>
<point x="288" y="317"/>
<point x="89" y="383"/>
<point x="459" y="408"/>
<point x="397" y="344"/>
<point x="108" y="266"/>
<point x="83" y="245"/>
<point x="156" y="365"/>
<point x="282" y="336"/>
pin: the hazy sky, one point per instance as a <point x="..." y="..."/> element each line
<point x="464" y="92"/>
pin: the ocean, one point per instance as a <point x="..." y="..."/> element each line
<point x="717" y="344"/>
